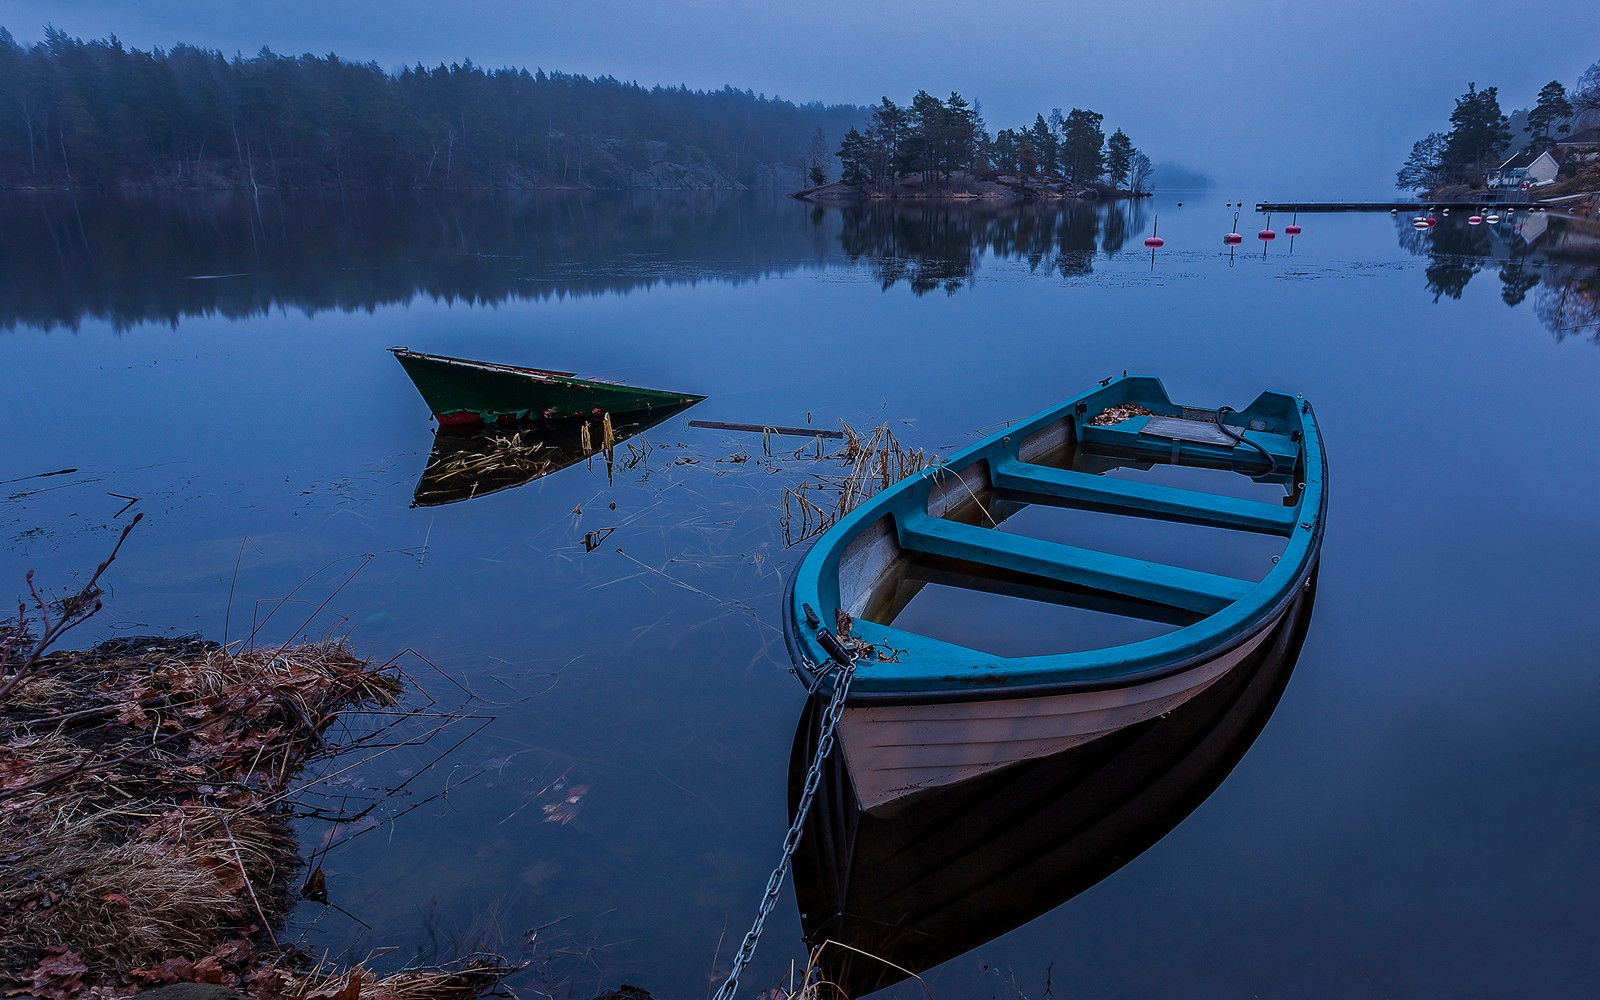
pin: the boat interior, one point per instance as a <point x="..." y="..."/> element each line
<point x="1121" y="518"/>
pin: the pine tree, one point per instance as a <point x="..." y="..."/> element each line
<point x="1003" y="151"/>
<point x="1045" y="146"/>
<point x="960" y="134"/>
<point x="1549" y="116"/>
<point x="891" y="124"/>
<point x="1082" y="155"/>
<point x="927" y="139"/>
<point x="854" y="155"/>
<point x="1119" y="153"/>
<point x="1479" y="134"/>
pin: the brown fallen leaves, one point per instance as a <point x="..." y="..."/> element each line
<point x="1118" y="413"/>
<point x="57" y="976"/>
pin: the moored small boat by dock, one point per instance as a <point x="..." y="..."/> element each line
<point x="925" y="711"/>
<point x="463" y="392"/>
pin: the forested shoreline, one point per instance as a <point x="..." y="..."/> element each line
<point x="1481" y="135"/>
<point x="96" y="114"/>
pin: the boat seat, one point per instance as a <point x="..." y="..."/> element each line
<point x="1066" y="487"/>
<point x="1192" y="440"/>
<point x="1173" y="586"/>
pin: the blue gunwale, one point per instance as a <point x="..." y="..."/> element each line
<point x="929" y="670"/>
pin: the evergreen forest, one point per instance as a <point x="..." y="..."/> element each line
<point x="97" y="114"/>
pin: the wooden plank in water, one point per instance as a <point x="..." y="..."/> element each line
<point x="723" y="425"/>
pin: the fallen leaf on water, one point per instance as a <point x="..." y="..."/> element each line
<point x="316" y="886"/>
<point x="566" y="810"/>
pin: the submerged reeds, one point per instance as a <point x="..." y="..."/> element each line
<point x="873" y="460"/>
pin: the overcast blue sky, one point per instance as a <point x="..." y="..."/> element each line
<point x="1280" y="99"/>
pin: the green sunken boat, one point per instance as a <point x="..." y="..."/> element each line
<point x="462" y="392"/>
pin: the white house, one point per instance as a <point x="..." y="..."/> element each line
<point x="1531" y="168"/>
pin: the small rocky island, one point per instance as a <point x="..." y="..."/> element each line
<point x="933" y="150"/>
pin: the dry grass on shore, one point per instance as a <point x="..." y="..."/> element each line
<point x="142" y="787"/>
<point x="146" y="795"/>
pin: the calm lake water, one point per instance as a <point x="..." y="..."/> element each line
<point x="1418" y="818"/>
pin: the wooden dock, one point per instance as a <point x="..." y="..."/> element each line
<point x="1395" y="206"/>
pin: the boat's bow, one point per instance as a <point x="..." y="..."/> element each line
<point x="459" y="391"/>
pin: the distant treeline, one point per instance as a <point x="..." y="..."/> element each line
<point x="937" y="139"/>
<point x="97" y="114"/>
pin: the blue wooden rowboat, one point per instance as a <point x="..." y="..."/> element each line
<point x="885" y="897"/>
<point x="924" y="712"/>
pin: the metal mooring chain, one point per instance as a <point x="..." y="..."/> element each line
<point x="830" y="722"/>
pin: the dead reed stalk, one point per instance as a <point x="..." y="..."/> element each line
<point x="873" y="461"/>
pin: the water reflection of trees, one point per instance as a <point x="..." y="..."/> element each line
<point x="129" y="260"/>
<point x="1556" y="259"/>
<point x="939" y="245"/>
<point x="150" y="259"/>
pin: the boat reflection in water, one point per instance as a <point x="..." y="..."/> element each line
<point x="468" y="464"/>
<point x="883" y="897"/>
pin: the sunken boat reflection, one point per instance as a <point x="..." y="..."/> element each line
<point x="468" y="464"/>
<point x="885" y="897"/>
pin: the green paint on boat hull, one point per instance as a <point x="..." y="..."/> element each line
<point x="455" y="388"/>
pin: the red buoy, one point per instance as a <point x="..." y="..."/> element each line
<point x="1152" y="241"/>
<point x="1293" y="230"/>
<point x="1266" y="234"/>
<point x="1231" y="239"/>
<point x="1475" y="220"/>
<point x="1431" y="221"/>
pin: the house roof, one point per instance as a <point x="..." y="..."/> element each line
<point x="1522" y="160"/>
<point x="1587" y="137"/>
